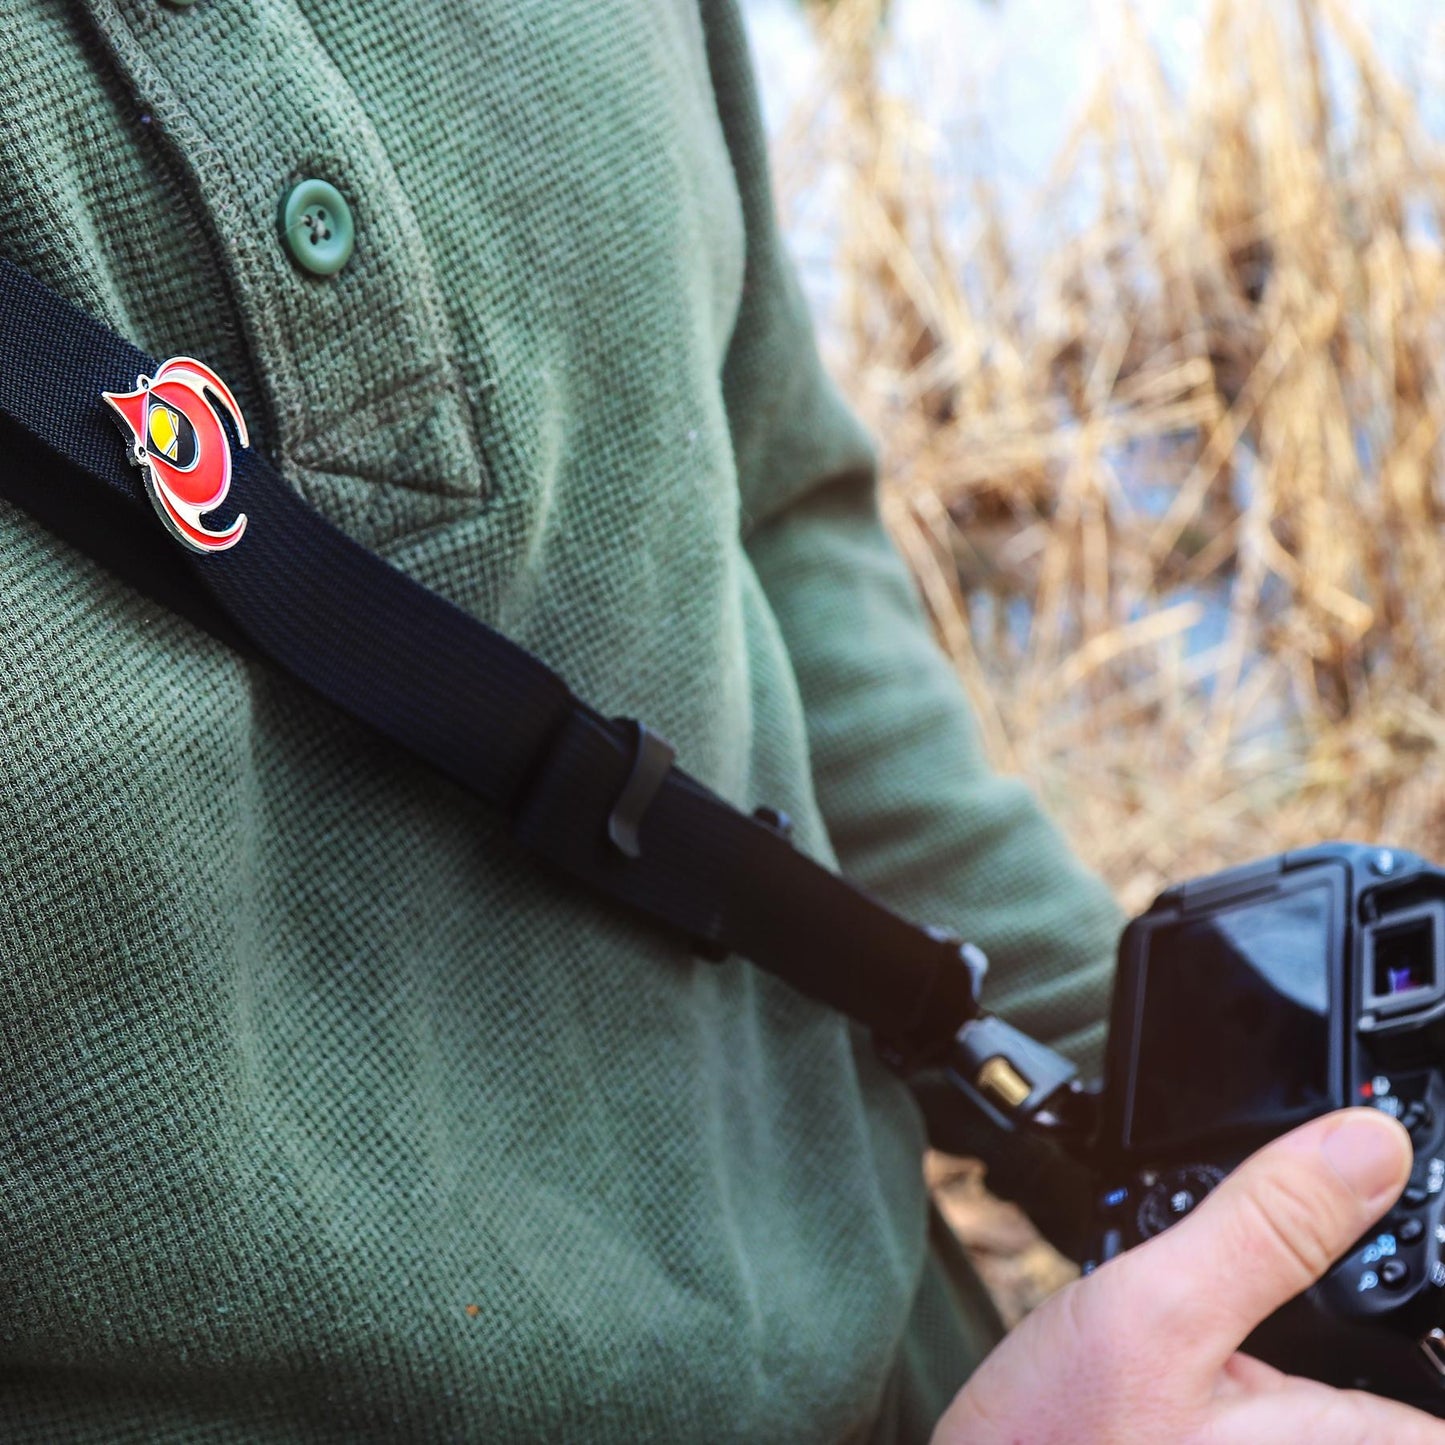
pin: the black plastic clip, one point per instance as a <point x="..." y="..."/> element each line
<point x="1010" y="1076"/>
<point x="948" y="1003"/>
<point x="652" y="760"/>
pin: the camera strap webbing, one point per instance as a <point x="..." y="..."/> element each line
<point x="596" y="797"/>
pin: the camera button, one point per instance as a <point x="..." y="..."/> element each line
<point x="1419" y="1118"/>
<point x="1410" y="1230"/>
<point x="1394" y="1273"/>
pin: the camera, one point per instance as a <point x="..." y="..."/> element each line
<point x="1249" y="1001"/>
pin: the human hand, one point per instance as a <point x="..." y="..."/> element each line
<point x="1146" y="1348"/>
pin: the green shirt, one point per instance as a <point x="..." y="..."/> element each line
<point x="326" y="1115"/>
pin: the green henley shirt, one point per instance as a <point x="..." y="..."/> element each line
<point x="325" y="1115"/>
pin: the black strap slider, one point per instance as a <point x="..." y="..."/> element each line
<point x="652" y="759"/>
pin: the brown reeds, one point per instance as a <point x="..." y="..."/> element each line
<point x="1170" y="476"/>
<point x="1168" y="471"/>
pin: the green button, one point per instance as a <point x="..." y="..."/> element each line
<point x="317" y="225"/>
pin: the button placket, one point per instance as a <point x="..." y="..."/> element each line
<point x="361" y="368"/>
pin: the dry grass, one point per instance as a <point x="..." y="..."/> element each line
<point x="1169" y="473"/>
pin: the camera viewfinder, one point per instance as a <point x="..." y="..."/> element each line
<point x="1403" y="968"/>
<point x="1405" y="957"/>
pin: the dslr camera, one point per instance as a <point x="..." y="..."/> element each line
<point x="1249" y="1001"/>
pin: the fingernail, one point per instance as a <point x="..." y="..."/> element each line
<point x="1369" y="1152"/>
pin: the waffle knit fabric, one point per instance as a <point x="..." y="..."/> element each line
<point x="326" y="1115"/>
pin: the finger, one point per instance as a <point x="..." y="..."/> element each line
<point x="1273" y="1227"/>
<point x="1305" y="1409"/>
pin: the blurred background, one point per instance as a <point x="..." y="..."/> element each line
<point x="1145" y="303"/>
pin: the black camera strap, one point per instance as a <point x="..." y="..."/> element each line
<point x="598" y="798"/>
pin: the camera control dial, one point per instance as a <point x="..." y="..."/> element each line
<point x="1173" y="1193"/>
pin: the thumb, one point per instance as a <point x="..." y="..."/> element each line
<point x="1277" y="1224"/>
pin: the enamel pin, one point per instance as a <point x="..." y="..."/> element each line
<point x="178" y="440"/>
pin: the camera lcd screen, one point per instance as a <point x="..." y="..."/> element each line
<point x="1234" y="1027"/>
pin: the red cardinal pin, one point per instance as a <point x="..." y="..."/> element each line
<point x="178" y="439"/>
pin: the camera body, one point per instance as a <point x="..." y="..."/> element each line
<point x="1249" y="1001"/>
